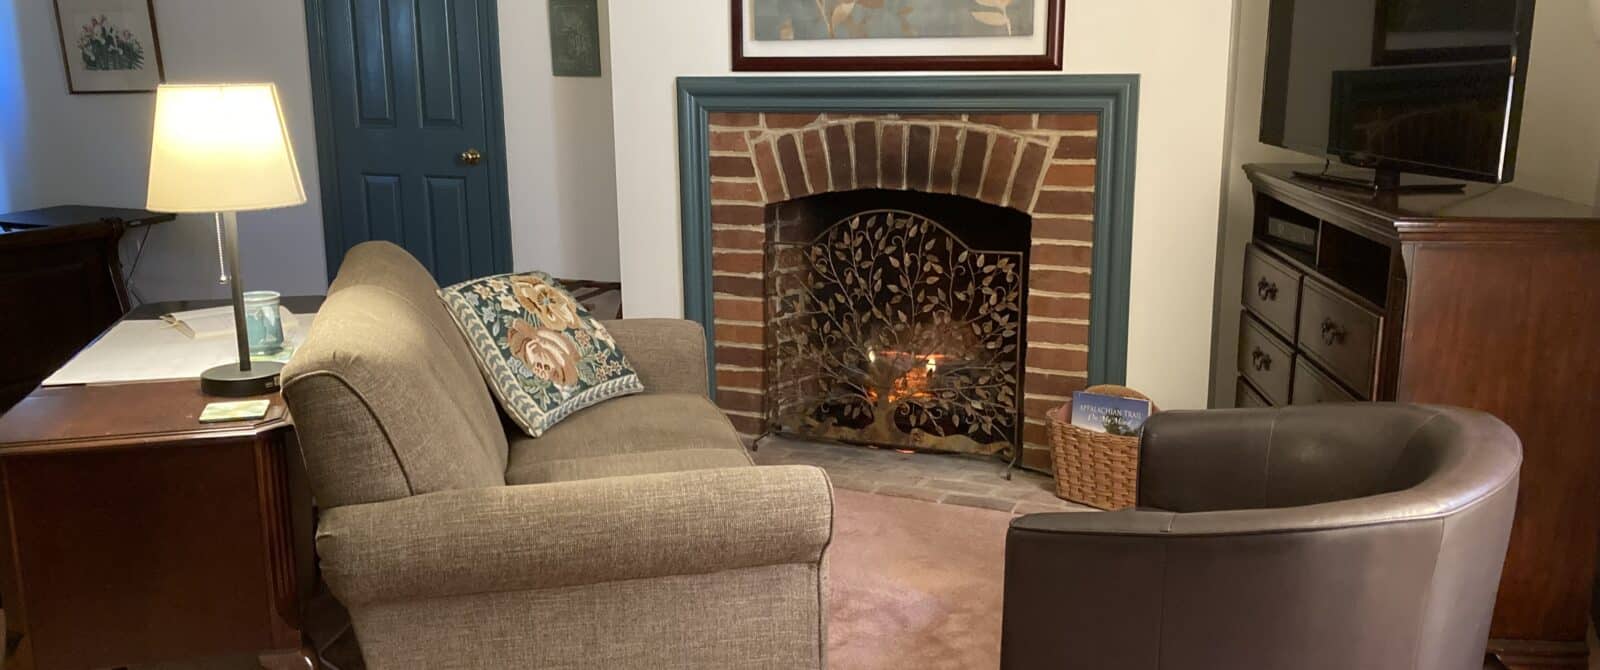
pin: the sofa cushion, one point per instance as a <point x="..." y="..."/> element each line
<point x="639" y="434"/>
<point x="542" y="353"/>
<point x="386" y="397"/>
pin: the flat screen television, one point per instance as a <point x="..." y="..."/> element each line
<point x="1423" y="86"/>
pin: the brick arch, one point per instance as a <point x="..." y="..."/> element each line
<point x="1041" y="164"/>
<point x="808" y="154"/>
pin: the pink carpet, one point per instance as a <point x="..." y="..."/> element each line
<point x="914" y="584"/>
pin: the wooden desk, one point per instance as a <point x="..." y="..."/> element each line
<point x="61" y="273"/>
<point x="72" y="215"/>
<point x="132" y="533"/>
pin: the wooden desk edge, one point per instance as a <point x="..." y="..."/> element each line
<point x="20" y="434"/>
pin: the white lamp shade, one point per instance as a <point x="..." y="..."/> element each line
<point x="221" y="148"/>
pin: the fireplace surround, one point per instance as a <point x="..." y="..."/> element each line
<point x="956" y="161"/>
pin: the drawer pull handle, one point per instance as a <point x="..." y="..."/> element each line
<point x="1332" y="333"/>
<point x="1260" y="360"/>
<point x="1267" y="290"/>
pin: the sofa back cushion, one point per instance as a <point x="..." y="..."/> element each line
<point x="386" y="395"/>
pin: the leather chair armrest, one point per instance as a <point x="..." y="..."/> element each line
<point x="1084" y="590"/>
<point x="669" y="354"/>
<point x="1121" y="522"/>
<point x="541" y="536"/>
<point x="1410" y="505"/>
<point x="1121" y="589"/>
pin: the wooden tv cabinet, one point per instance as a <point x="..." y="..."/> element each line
<point x="1487" y="299"/>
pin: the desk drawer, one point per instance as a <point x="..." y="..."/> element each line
<point x="1265" y="360"/>
<point x="1246" y="397"/>
<point x="1271" y="290"/>
<point x="1339" y="334"/>
<point x="1312" y="387"/>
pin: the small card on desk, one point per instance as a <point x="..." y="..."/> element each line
<point x="234" y="410"/>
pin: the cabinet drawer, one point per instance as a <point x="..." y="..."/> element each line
<point x="1265" y="360"/>
<point x="1271" y="290"/>
<point x="1246" y="397"/>
<point x="1339" y="334"/>
<point x="1312" y="387"/>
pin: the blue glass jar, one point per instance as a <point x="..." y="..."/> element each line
<point x="263" y="323"/>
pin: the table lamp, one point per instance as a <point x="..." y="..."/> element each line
<point x="223" y="149"/>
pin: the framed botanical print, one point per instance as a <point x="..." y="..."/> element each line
<point x="798" y="35"/>
<point x="109" y="46"/>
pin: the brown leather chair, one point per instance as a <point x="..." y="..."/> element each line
<point x="1338" y="537"/>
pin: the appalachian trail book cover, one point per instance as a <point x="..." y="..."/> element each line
<point x="1108" y="413"/>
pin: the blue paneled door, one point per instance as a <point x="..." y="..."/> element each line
<point x="408" y="91"/>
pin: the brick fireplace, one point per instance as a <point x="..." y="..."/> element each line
<point x="1040" y="164"/>
<point x="1045" y="155"/>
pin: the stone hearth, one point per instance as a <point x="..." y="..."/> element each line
<point x="1040" y="164"/>
<point x="950" y="479"/>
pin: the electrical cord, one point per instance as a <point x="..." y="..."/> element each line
<point x="133" y="267"/>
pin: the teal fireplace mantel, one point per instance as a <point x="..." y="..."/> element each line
<point x="1114" y="98"/>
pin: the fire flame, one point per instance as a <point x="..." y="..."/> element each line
<point x="911" y="383"/>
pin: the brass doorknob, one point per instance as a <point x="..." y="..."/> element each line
<point x="471" y="157"/>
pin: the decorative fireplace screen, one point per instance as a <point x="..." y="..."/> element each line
<point x="888" y="329"/>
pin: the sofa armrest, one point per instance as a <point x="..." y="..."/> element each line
<point x="541" y="536"/>
<point x="669" y="354"/>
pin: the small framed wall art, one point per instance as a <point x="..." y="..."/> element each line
<point x="574" y="38"/>
<point x="109" y="46"/>
<point x="880" y="35"/>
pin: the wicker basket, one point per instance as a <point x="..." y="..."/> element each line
<point x="1095" y="469"/>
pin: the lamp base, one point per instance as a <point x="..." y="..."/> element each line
<point x="229" y="381"/>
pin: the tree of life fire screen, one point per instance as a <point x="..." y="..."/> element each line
<point x="888" y="328"/>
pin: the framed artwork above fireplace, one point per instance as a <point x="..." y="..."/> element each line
<point x="886" y="35"/>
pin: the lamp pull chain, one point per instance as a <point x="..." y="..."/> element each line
<point x="222" y="264"/>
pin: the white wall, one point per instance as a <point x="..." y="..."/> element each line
<point x="94" y="149"/>
<point x="15" y="152"/>
<point x="1244" y="127"/>
<point x="1181" y="50"/>
<point x="1559" y="151"/>
<point x="559" y="152"/>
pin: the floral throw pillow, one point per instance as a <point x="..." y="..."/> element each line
<point x="545" y="357"/>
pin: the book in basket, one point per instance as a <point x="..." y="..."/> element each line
<point x="1114" y="415"/>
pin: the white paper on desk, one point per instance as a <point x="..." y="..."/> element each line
<point x="151" y="349"/>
